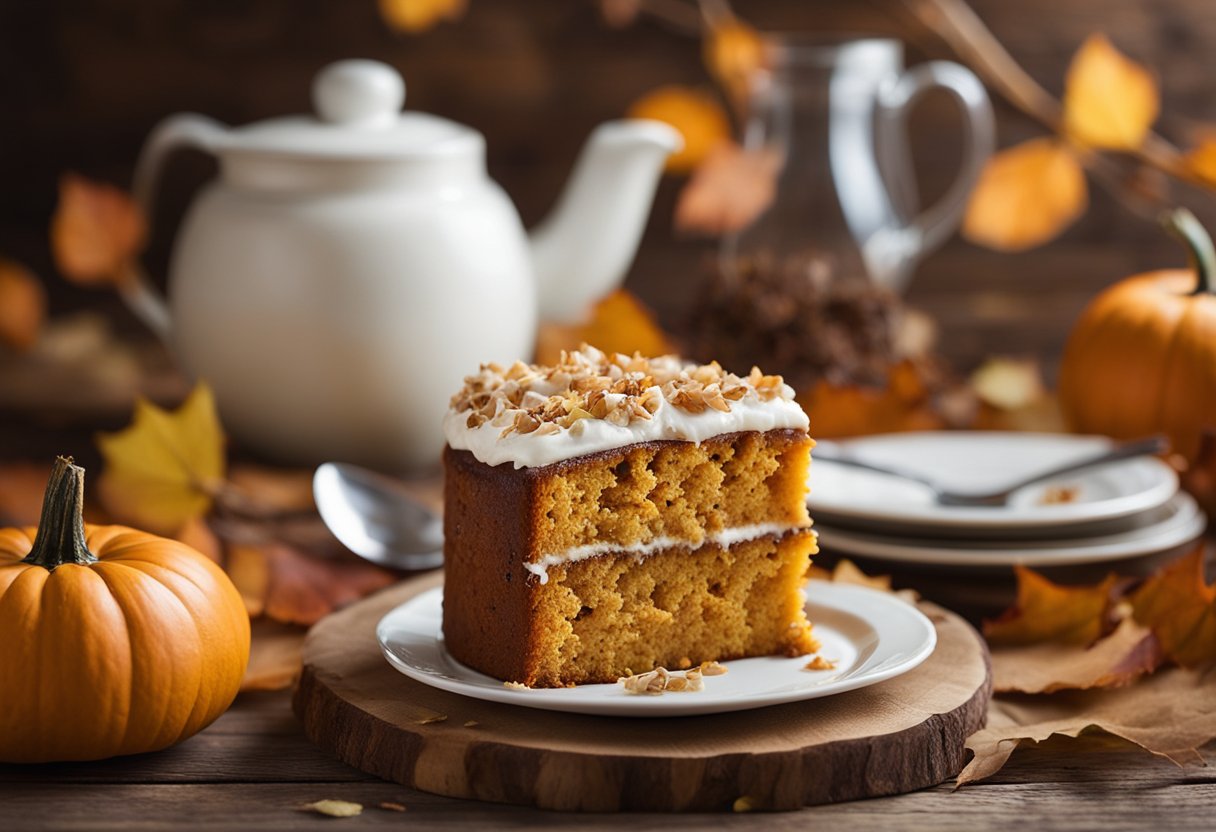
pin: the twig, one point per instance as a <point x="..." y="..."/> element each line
<point x="957" y="24"/>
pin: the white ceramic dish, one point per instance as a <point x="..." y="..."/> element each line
<point x="1176" y="523"/>
<point x="871" y="635"/>
<point x="983" y="461"/>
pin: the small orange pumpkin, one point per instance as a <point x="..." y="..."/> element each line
<point x="115" y="641"/>
<point x="1142" y="357"/>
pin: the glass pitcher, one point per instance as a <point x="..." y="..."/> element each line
<point x="834" y="116"/>
<point x="810" y="288"/>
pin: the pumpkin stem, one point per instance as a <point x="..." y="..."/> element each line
<point x="60" y="537"/>
<point x="1183" y="225"/>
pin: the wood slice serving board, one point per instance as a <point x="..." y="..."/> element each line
<point x="897" y="736"/>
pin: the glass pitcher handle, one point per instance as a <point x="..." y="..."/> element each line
<point x="931" y="228"/>
<point x="182" y="130"/>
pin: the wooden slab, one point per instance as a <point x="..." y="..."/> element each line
<point x="897" y="736"/>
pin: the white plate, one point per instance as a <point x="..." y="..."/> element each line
<point x="983" y="461"/>
<point x="1176" y="523"/>
<point x="872" y="636"/>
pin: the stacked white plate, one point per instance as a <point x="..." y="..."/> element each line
<point x="1125" y="511"/>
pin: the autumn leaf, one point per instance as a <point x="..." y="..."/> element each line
<point x="903" y="404"/>
<point x="162" y="470"/>
<point x="274" y="655"/>
<point x="1046" y="667"/>
<point x="1169" y="713"/>
<point x="197" y="534"/>
<point x="415" y="16"/>
<point x="1109" y="101"/>
<point x="1025" y="196"/>
<point x="22" y="306"/>
<point x="847" y="572"/>
<point x="1201" y="159"/>
<point x="733" y="51"/>
<point x="1180" y="608"/>
<point x="618" y="323"/>
<point x="1050" y="612"/>
<point x="695" y="113"/>
<point x="96" y="232"/>
<point x="1008" y="383"/>
<point x="729" y="190"/>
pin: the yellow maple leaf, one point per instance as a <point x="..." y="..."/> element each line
<point x="1026" y="195"/>
<point x="1047" y="611"/>
<point x="96" y="232"/>
<point x="1180" y="608"/>
<point x="22" y="306"/>
<point x="1110" y="101"/>
<point x="162" y="470"/>
<point x="618" y="323"/>
<point x="414" y="16"/>
<point x="695" y="113"/>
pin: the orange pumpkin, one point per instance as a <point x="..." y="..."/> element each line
<point x="115" y="641"/>
<point x="1142" y="357"/>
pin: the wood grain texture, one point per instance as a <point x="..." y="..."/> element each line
<point x="895" y="737"/>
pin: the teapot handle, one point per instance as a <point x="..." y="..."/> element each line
<point x="182" y="130"/>
<point x="931" y="228"/>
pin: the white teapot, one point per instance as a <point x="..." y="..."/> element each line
<point x="345" y="271"/>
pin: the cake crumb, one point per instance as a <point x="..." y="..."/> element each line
<point x="430" y="720"/>
<point x="1059" y="495"/>
<point x="820" y="663"/>
<point x="472" y="723"/>
<point x="712" y="669"/>
<point x="334" y="808"/>
<point x="515" y="686"/>
<point x="684" y="663"/>
<point x="392" y="807"/>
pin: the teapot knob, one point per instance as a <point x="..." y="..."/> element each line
<point x="361" y="92"/>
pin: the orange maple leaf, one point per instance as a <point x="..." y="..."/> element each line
<point x="1201" y="159"/>
<point x="695" y="113"/>
<point x="732" y="187"/>
<point x="840" y="410"/>
<point x="1046" y="611"/>
<point x="1026" y="195"/>
<point x="618" y="323"/>
<point x="22" y="306"/>
<point x="415" y="16"/>
<point x="1180" y="608"/>
<point x="96" y="232"/>
<point x="1109" y="100"/>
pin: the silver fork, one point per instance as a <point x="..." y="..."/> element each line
<point x="945" y="497"/>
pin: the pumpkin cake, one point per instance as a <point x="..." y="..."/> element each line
<point x="613" y="514"/>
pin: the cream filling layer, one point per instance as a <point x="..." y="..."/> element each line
<point x="724" y="538"/>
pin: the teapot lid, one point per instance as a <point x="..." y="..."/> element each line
<point x="358" y="115"/>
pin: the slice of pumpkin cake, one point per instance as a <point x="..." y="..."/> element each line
<point x="613" y="514"/>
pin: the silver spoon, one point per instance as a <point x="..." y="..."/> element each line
<point x="374" y="517"/>
<point x="945" y="497"/>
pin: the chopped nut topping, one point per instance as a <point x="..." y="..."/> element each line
<point x="712" y="669"/>
<point x="661" y="680"/>
<point x="589" y="384"/>
<point x="515" y="686"/>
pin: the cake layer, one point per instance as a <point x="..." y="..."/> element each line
<point x="532" y="416"/>
<point x="604" y="617"/>
<point x="647" y="495"/>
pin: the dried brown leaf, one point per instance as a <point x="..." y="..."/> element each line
<point x="695" y="113"/>
<point x="1116" y="660"/>
<point x="1050" y="612"/>
<point x="303" y="589"/>
<point x="1180" y="608"/>
<point x="1170" y="713"/>
<point x="334" y="808"/>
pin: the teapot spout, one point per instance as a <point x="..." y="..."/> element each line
<point x="582" y="250"/>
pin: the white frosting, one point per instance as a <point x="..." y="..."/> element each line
<point x="529" y="450"/>
<point x="724" y="538"/>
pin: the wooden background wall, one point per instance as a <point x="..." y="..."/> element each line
<point x="83" y="82"/>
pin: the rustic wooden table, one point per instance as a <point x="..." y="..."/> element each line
<point x="253" y="769"/>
